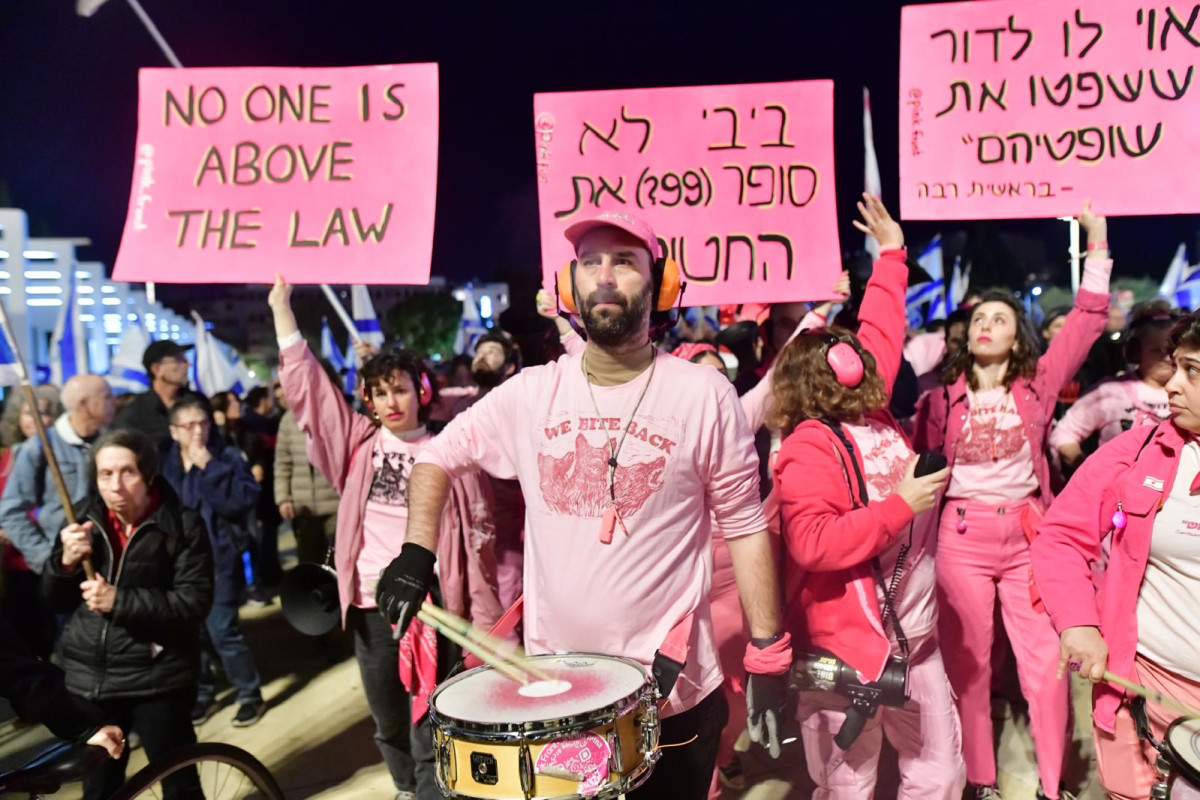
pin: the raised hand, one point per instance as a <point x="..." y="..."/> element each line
<point x="877" y="222"/>
<point x="1096" y="227"/>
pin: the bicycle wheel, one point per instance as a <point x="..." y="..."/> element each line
<point x="226" y="773"/>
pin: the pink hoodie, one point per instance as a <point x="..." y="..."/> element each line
<point x="340" y="444"/>
<point x="1132" y="471"/>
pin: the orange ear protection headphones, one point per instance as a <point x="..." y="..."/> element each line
<point x="424" y="391"/>
<point x="668" y="288"/>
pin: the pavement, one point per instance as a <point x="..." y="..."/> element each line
<point x="316" y="737"/>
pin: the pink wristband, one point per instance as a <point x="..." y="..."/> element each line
<point x="774" y="659"/>
<point x="1096" y="246"/>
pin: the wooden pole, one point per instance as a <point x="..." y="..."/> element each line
<point x="51" y="460"/>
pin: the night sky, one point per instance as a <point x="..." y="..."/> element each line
<point x="68" y="100"/>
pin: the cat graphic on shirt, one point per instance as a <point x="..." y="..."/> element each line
<point x="390" y="484"/>
<point x="576" y="484"/>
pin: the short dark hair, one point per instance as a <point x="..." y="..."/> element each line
<point x="190" y="401"/>
<point x="1186" y="333"/>
<point x="1148" y="319"/>
<point x="136" y="442"/>
<point x="257" y="395"/>
<point x="500" y="339"/>
<point x="379" y="368"/>
<point x="221" y="401"/>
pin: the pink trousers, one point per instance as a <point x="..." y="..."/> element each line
<point x="991" y="558"/>
<point x="729" y="631"/>
<point x="1125" y="763"/>
<point x="925" y="733"/>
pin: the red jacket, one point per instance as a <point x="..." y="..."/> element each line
<point x="941" y="413"/>
<point x="829" y="583"/>
<point x="1136" y="469"/>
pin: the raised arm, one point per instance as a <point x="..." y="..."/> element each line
<point x="334" y="430"/>
<point x="1087" y="319"/>
<point x="881" y="317"/>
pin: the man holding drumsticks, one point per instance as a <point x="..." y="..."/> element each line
<point x="626" y="457"/>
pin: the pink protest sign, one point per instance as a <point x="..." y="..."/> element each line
<point x="737" y="181"/>
<point x="1017" y="109"/>
<point x="324" y="175"/>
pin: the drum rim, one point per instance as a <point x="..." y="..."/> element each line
<point x="1185" y="769"/>
<point x="542" y="728"/>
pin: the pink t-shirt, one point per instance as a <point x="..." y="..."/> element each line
<point x="1111" y="408"/>
<point x="885" y="457"/>
<point x="993" y="463"/>
<point x="386" y="517"/>
<point x="687" y="463"/>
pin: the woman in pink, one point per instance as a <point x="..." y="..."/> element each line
<point x="368" y="461"/>
<point x="991" y="420"/>
<point x="1137" y="399"/>
<point x="1143" y="490"/>
<point x="859" y="529"/>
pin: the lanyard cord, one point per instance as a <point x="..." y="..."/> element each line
<point x="613" y="450"/>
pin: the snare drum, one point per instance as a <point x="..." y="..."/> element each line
<point x="590" y="732"/>
<point x="1182" y="744"/>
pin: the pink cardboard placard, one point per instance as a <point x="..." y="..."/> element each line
<point x="1017" y="109"/>
<point x="737" y="181"/>
<point x="326" y="175"/>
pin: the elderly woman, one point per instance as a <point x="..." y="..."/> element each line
<point x="132" y="643"/>
<point x="1140" y="489"/>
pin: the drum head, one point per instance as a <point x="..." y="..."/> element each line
<point x="484" y="696"/>
<point x="1183" y="743"/>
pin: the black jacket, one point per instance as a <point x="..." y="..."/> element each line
<point x="35" y="689"/>
<point x="149" y="643"/>
<point x="147" y="413"/>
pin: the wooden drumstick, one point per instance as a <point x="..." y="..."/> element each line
<point x="500" y="648"/>
<point x="1153" y="696"/>
<point x="493" y="660"/>
<point x="35" y="412"/>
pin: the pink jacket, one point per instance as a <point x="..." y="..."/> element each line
<point x="830" y="587"/>
<point x="1135" y="471"/>
<point x="341" y="443"/>
<point x="941" y="413"/>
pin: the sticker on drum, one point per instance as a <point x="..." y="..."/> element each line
<point x="1183" y="745"/>
<point x="484" y="696"/>
<point x="578" y="758"/>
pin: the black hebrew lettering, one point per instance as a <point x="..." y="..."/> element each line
<point x="733" y="144"/>
<point x="1178" y="91"/>
<point x="608" y="140"/>
<point x="645" y="121"/>
<point x="781" y="239"/>
<point x="1079" y="22"/>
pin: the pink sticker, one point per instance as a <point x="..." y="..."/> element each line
<point x="579" y="758"/>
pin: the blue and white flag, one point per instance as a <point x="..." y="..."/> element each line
<point x="365" y="321"/>
<point x="329" y="348"/>
<point x="932" y="292"/>
<point x="960" y="282"/>
<point x="10" y="373"/>
<point x="350" y="365"/>
<point x="126" y="373"/>
<point x="215" y="373"/>
<point x="68" y="343"/>
<point x="1176" y="277"/>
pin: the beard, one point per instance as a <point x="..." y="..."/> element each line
<point x="486" y="378"/>
<point x="615" y="328"/>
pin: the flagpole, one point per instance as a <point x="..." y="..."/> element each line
<point x="35" y="413"/>
<point x="1074" y="223"/>
<point x="341" y="312"/>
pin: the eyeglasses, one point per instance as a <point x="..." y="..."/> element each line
<point x="193" y="426"/>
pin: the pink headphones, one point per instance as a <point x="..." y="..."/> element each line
<point x="843" y="359"/>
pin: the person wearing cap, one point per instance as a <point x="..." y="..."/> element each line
<point x="627" y="458"/>
<point x="166" y="364"/>
<point x="31" y="509"/>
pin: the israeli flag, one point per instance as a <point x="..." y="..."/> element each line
<point x="125" y="371"/>
<point x="68" y="343"/>
<point x="215" y="373"/>
<point x="872" y="184"/>
<point x="365" y="321"/>
<point x="1174" y="283"/>
<point x="329" y="348"/>
<point x="10" y="373"/>
<point x="350" y="365"/>
<point x="932" y="292"/>
<point x="960" y="282"/>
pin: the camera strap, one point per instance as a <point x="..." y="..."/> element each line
<point x="890" y="590"/>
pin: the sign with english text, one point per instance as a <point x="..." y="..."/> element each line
<point x="325" y="175"/>
<point x="737" y="182"/>
<point x="1017" y="109"/>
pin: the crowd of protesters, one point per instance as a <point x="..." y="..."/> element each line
<point x="880" y="562"/>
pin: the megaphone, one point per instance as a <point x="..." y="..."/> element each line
<point x="309" y="595"/>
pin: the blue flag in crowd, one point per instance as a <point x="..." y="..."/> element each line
<point x="68" y="344"/>
<point x="126" y="373"/>
<point x="365" y="320"/>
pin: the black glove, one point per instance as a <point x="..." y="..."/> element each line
<point x="766" y="701"/>
<point x="403" y="585"/>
